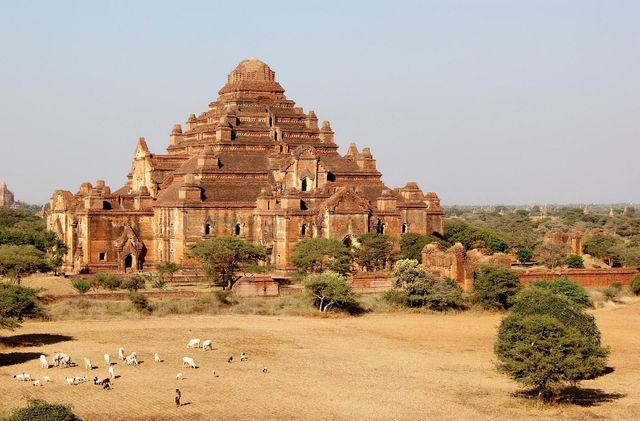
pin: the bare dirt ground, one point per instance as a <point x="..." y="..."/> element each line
<point x="378" y="366"/>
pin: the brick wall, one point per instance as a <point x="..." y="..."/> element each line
<point x="371" y="282"/>
<point x="585" y="277"/>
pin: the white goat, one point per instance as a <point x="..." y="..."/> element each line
<point x="87" y="364"/>
<point x="131" y="359"/>
<point x="243" y="356"/>
<point x="23" y="377"/>
<point x="156" y="358"/>
<point x="112" y="373"/>
<point x="121" y="353"/>
<point x="264" y="369"/>
<point x="188" y="362"/>
<point x="208" y="344"/>
<point x="107" y="359"/>
<point x="36" y="383"/>
<point x="80" y="379"/>
<point x="43" y="362"/>
<point x="46" y="378"/>
<point x="60" y="359"/>
<point x="179" y="376"/>
<point x="214" y="374"/>
<point x="70" y="380"/>
<point x="194" y="343"/>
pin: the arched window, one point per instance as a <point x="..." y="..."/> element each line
<point x="207" y="229"/>
<point x="303" y="230"/>
<point x="405" y="228"/>
<point x="238" y="229"/>
<point x="304" y="185"/>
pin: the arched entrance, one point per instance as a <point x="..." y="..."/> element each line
<point x="128" y="262"/>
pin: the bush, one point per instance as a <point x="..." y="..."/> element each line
<point x="316" y="255"/>
<point x="330" y="290"/>
<point x="494" y="287"/>
<point x="613" y="292"/>
<point x="134" y="283"/>
<point x="158" y="283"/>
<point x="568" y="288"/>
<point x="17" y="303"/>
<point x="81" y="286"/>
<point x="140" y="303"/>
<point x="535" y="300"/>
<point x="634" y="286"/>
<point x="39" y="410"/>
<point x="396" y="297"/>
<point x="524" y="255"/>
<point x="541" y="352"/>
<point x="574" y="261"/>
<point x="225" y="297"/>
<point x="108" y="281"/>
<point x="434" y="293"/>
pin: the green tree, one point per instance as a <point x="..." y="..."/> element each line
<point x="316" y="255"/>
<point x="472" y="237"/>
<point x="422" y="289"/>
<point x="39" y="410"/>
<point x="134" y="283"/>
<point x="373" y="251"/>
<point x="567" y="288"/>
<point x="411" y="245"/>
<point x="168" y="270"/>
<point x="222" y="257"/>
<point x="634" y="286"/>
<point x="524" y="255"/>
<point x="602" y="246"/>
<point x="108" y="281"/>
<point x="16" y="304"/>
<point x="407" y="271"/>
<point x="552" y="255"/>
<point x="494" y="287"/>
<point x="330" y="290"/>
<point x="18" y="261"/>
<point x="81" y="285"/>
<point x="574" y="261"/>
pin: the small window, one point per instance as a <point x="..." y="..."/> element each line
<point x="238" y="229"/>
<point x="102" y="256"/>
<point x="304" y="185"/>
<point x="207" y="229"/>
<point x="303" y="205"/>
<point x="303" y="230"/>
<point x="405" y="228"/>
<point x="106" y="205"/>
<point x="331" y="177"/>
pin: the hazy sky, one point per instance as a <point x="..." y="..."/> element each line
<point x="480" y="101"/>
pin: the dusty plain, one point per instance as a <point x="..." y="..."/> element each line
<point x="377" y="366"/>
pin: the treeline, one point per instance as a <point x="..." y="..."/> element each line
<point x="26" y="246"/>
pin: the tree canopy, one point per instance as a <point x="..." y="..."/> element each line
<point x="373" y="251"/>
<point x="316" y="255"/>
<point x="330" y="290"/>
<point x="495" y="286"/>
<point x="16" y="304"/>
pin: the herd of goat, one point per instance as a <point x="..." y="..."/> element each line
<point x="63" y="360"/>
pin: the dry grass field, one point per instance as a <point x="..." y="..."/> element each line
<point x="378" y="366"/>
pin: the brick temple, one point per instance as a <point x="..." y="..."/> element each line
<point x="253" y="165"/>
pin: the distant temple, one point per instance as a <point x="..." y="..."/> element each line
<point x="253" y="166"/>
<point x="7" y="200"/>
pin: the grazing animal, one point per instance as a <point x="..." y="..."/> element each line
<point x="87" y="364"/>
<point x="23" y="377"/>
<point x="264" y="369"/>
<point x="230" y="360"/>
<point x="121" y="353"/>
<point x="36" y="383"/>
<point x="65" y="361"/>
<point x="131" y="359"/>
<point x="80" y="379"/>
<point x="112" y="373"/>
<point x="70" y="380"/>
<point x="46" y="378"/>
<point x="243" y="356"/>
<point x="43" y="362"/>
<point x="214" y="374"/>
<point x="106" y="384"/>
<point x="189" y="362"/>
<point x="194" y="343"/>
<point x="96" y="381"/>
<point x="207" y="345"/>
<point x="156" y="358"/>
<point x="179" y="376"/>
<point x="107" y="359"/>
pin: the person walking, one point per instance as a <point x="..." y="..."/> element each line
<point x="178" y="396"/>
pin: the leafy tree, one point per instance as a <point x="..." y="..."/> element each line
<point x="374" y="251"/>
<point x="552" y="254"/>
<point x="422" y="289"/>
<point x="407" y="271"/>
<point x="39" y="410"/>
<point x="524" y="255"/>
<point x="472" y="237"/>
<point x="316" y="255"/>
<point x="168" y="269"/>
<point x="18" y="261"/>
<point x="397" y="297"/>
<point x="222" y="257"/>
<point x="81" y="285"/>
<point x="17" y="303"/>
<point x="330" y="290"/>
<point x="494" y="287"/>
<point x="567" y="288"/>
<point x="634" y="286"/>
<point x="158" y="283"/>
<point x="108" y="281"/>
<point x="140" y="303"/>
<point x="134" y="283"/>
<point x="541" y="352"/>
<point x="411" y="245"/>
<point x="602" y="246"/>
<point x="574" y="261"/>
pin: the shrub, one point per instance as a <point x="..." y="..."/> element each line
<point x="316" y="255"/>
<point x="158" y="283"/>
<point x="396" y="297"/>
<point x="524" y="255"/>
<point x="494" y="287"/>
<point x="330" y="290"/>
<point x="634" y="286"/>
<point x="541" y="352"/>
<point x="568" y="288"/>
<point x="108" y="281"/>
<point x="535" y="300"/>
<point x="17" y="303"/>
<point x="434" y="293"/>
<point x="43" y="411"/>
<point x="81" y="286"/>
<point x="407" y="271"/>
<point x="574" y="261"/>
<point x="226" y="297"/>
<point x="612" y="292"/>
<point x="134" y="283"/>
<point x="140" y="303"/>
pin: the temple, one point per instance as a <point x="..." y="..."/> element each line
<point x="253" y="166"/>
<point x="7" y="199"/>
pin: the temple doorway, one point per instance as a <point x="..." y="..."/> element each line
<point x="128" y="262"/>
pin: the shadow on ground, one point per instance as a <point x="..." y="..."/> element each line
<point x="12" y="358"/>
<point x="34" y="339"/>
<point x="577" y="396"/>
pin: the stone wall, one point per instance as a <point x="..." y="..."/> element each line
<point x="256" y="286"/>
<point x="588" y="278"/>
<point x="371" y="282"/>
